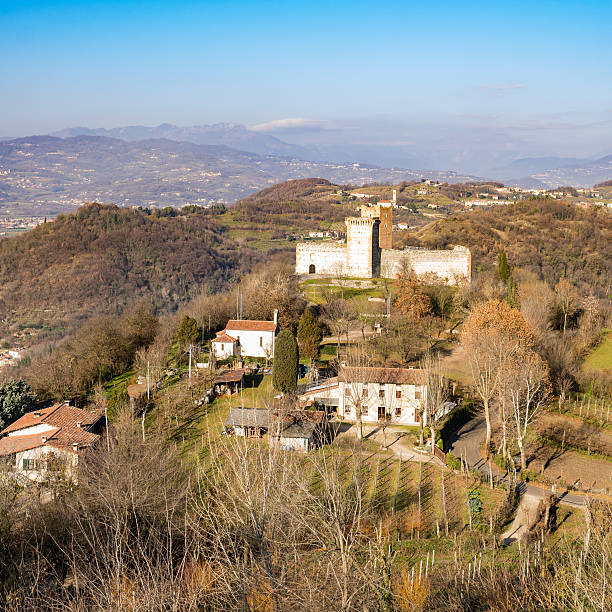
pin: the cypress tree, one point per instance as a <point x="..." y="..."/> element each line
<point x="503" y="269"/>
<point x="285" y="368"/>
<point x="309" y="335"/>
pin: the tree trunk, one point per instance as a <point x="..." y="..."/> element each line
<point x="488" y="420"/>
<point x="358" y="421"/>
<point x="519" y="441"/>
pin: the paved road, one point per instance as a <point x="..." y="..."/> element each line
<point x="466" y="443"/>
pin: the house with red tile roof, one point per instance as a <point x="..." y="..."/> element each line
<point x="49" y="440"/>
<point x="246" y="338"/>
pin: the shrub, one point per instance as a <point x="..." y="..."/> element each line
<point x="453" y="462"/>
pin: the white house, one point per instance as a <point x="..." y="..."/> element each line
<point x="48" y="441"/>
<point x="396" y="395"/>
<point x="393" y="394"/>
<point x="246" y="338"/>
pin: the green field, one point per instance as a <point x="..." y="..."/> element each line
<point x="601" y="357"/>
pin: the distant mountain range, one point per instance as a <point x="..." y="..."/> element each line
<point x="554" y="172"/>
<point x="70" y="171"/>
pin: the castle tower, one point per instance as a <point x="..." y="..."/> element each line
<point x="382" y="211"/>
<point x="362" y="248"/>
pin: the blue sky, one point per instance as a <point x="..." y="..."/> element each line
<point x="104" y="64"/>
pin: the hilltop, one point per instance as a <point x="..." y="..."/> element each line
<point x="103" y="258"/>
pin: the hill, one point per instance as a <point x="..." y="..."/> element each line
<point x="66" y="172"/>
<point x="551" y="238"/>
<point x="102" y="258"/>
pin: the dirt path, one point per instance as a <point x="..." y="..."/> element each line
<point x="523" y="519"/>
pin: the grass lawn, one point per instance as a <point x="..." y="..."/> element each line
<point x="601" y="357"/>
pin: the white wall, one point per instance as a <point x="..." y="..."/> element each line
<point x="254" y="343"/>
<point x="408" y="405"/>
<point x="223" y="350"/>
<point x="40" y="454"/>
<point x="29" y="431"/>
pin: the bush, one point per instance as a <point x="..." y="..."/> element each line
<point x="453" y="462"/>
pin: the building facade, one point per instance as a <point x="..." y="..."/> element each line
<point x="246" y="338"/>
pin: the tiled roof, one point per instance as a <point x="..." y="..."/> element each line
<point x="246" y="325"/>
<point x="66" y="432"/>
<point x="223" y="337"/>
<point x="31" y="418"/>
<point x="398" y="376"/>
<point x="16" y="444"/>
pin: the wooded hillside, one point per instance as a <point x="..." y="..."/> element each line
<point x="102" y="258"/>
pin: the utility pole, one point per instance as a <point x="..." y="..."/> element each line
<point x="190" y="365"/>
<point x="148" y="382"/>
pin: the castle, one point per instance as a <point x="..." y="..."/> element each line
<point x="368" y="252"/>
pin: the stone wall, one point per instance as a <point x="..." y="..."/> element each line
<point x="451" y="265"/>
<point x="328" y="258"/>
<point x="362" y="253"/>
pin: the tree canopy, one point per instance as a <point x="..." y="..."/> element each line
<point x="16" y="398"/>
<point x="309" y="335"/>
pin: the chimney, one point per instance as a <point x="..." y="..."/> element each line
<point x="79" y="424"/>
<point x="36" y="413"/>
<point x="276" y="316"/>
<point x="44" y="439"/>
<point x="75" y="446"/>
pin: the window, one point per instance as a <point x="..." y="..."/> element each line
<point x="364" y="392"/>
<point x="347" y="391"/>
<point x="398" y="394"/>
<point x="365" y="410"/>
<point x="418" y="394"/>
<point x="260" y="340"/>
<point x="30" y="464"/>
<point x="381" y="393"/>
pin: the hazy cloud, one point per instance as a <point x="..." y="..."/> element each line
<point x="504" y="86"/>
<point x="292" y="124"/>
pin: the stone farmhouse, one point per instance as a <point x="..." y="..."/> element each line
<point x="49" y="441"/>
<point x="396" y="395"/>
<point x="368" y="252"/>
<point x="246" y="338"/>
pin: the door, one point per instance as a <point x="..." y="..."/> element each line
<point x="381" y="413"/>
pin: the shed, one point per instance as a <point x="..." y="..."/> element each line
<point x="247" y="422"/>
<point x="229" y="381"/>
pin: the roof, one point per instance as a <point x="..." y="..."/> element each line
<point x="29" y="419"/>
<point x="298" y="430"/>
<point x="398" y="376"/>
<point x="223" y="337"/>
<point x="230" y="376"/>
<point x="247" y="325"/>
<point x="69" y="424"/>
<point x="247" y="417"/>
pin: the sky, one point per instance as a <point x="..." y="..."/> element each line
<point x="290" y="67"/>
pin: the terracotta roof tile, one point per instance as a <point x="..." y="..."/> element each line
<point x="31" y="418"/>
<point x="247" y="325"/>
<point x="398" y="376"/>
<point x="223" y="337"/>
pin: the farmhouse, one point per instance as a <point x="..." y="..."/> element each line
<point x="395" y="395"/>
<point x="368" y="252"/>
<point x="246" y="338"/>
<point x="48" y="441"/>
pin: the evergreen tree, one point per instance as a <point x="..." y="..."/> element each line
<point x="188" y="331"/>
<point x="285" y="368"/>
<point x="16" y="398"/>
<point x="309" y="335"/>
<point x="503" y="269"/>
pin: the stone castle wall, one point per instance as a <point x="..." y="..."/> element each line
<point x="328" y="258"/>
<point x="451" y="265"/>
